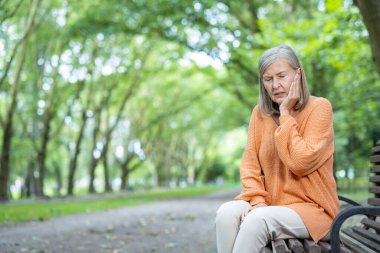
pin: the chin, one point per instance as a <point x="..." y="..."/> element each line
<point x="278" y="101"/>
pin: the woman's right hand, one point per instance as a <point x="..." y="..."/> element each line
<point x="293" y="96"/>
<point x="246" y="211"/>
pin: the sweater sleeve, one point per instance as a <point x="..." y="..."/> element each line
<point x="305" y="153"/>
<point x="251" y="175"/>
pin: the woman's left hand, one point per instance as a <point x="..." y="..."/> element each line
<point x="246" y="211"/>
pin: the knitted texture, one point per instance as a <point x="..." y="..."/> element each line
<point x="291" y="164"/>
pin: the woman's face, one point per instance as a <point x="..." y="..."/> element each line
<point x="277" y="79"/>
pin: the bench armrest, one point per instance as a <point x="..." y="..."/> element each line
<point x="345" y="214"/>
<point x="349" y="201"/>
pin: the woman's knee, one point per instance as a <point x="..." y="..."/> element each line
<point x="255" y="223"/>
<point x="231" y="210"/>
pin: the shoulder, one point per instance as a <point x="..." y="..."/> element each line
<point x="257" y="114"/>
<point x="319" y="103"/>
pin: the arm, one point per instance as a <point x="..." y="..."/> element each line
<point x="303" y="154"/>
<point x="250" y="170"/>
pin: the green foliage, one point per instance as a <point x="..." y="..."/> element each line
<point x="190" y="69"/>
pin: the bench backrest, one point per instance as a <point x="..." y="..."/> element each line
<point x="375" y="178"/>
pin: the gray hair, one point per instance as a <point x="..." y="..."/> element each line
<point x="283" y="52"/>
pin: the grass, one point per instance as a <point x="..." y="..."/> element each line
<point x="42" y="210"/>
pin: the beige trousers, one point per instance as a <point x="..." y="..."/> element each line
<point x="261" y="225"/>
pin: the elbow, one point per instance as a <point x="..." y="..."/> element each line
<point x="303" y="167"/>
<point x="301" y="172"/>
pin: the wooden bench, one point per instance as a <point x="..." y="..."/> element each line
<point x="363" y="237"/>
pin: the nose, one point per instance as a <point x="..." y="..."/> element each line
<point x="275" y="83"/>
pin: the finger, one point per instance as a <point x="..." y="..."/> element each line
<point x="295" y="86"/>
<point x="298" y="84"/>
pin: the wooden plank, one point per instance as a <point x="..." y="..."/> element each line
<point x="295" y="245"/>
<point x="325" y="247"/>
<point x="311" y="247"/>
<point x="374" y="179"/>
<point x="266" y="250"/>
<point x="354" y="245"/>
<point x="371" y="224"/>
<point x="375" y="149"/>
<point x="345" y="250"/>
<point x="375" y="169"/>
<point x="279" y="246"/>
<point x="368" y="243"/>
<point x="367" y="234"/>
<point x="375" y="159"/>
<point x="374" y="201"/>
<point x="375" y="189"/>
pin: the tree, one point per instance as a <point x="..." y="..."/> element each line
<point x="370" y="10"/>
<point x="8" y="126"/>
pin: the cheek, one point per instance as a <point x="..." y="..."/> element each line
<point x="267" y="87"/>
<point x="287" y="84"/>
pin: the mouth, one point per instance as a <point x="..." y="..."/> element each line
<point x="279" y="94"/>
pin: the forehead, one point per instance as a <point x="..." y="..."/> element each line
<point x="276" y="67"/>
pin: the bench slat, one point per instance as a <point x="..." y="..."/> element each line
<point x="375" y="189"/>
<point x="266" y="250"/>
<point x="374" y="179"/>
<point x="371" y="244"/>
<point x="367" y="234"/>
<point x="354" y="245"/>
<point x="279" y="246"/>
<point x="375" y="149"/>
<point x="296" y="246"/>
<point x="375" y="158"/>
<point x="375" y="169"/>
<point x="371" y="224"/>
<point x="374" y="201"/>
<point x="311" y="247"/>
<point x="325" y="247"/>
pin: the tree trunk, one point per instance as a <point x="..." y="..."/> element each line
<point x="42" y="153"/>
<point x="124" y="178"/>
<point x="58" y="176"/>
<point x="370" y="10"/>
<point x="107" y="185"/>
<point x="93" y="163"/>
<point x="74" y="160"/>
<point x="94" y="160"/>
<point x="7" y="132"/>
<point x="28" y="188"/>
<point x="126" y="170"/>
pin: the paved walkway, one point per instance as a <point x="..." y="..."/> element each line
<point x="184" y="225"/>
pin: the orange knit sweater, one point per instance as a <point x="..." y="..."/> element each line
<point x="292" y="164"/>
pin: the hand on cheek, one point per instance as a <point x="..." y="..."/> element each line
<point x="287" y="106"/>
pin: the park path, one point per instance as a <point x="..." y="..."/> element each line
<point x="181" y="225"/>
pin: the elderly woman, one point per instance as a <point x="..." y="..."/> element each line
<point x="288" y="187"/>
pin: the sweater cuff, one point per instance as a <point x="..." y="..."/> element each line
<point x="284" y="118"/>
<point x="257" y="200"/>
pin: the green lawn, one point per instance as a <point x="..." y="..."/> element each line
<point x="41" y="210"/>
